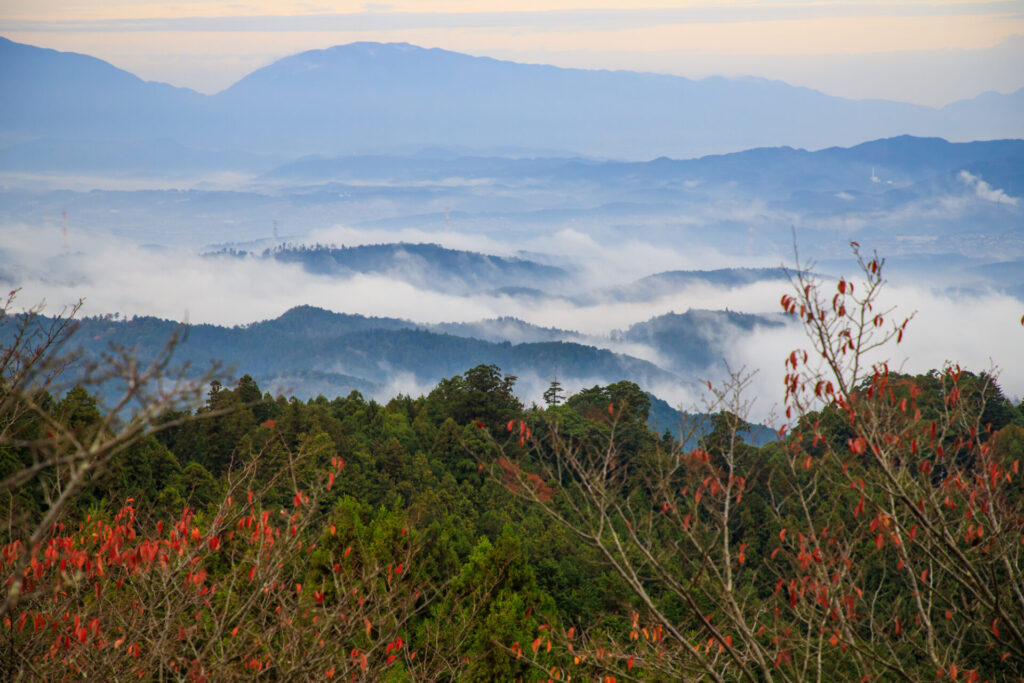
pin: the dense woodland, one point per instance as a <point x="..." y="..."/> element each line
<point x="461" y="535"/>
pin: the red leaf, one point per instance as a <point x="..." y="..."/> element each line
<point x="629" y="663"/>
<point x="611" y="408"/>
<point x="879" y="541"/>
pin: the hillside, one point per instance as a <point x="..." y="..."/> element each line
<point x="428" y="266"/>
<point x="307" y="349"/>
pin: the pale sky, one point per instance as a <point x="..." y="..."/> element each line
<point x="924" y="51"/>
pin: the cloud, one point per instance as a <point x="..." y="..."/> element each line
<point x="980" y="331"/>
<point x="976" y="329"/>
<point x="596" y="263"/>
<point x="985" y="191"/>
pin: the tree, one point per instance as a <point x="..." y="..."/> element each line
<point x="481" y="393"/>
<point x="60" y="447"/>
<point x="553" y="394"/>
<point x="880" y="537"/>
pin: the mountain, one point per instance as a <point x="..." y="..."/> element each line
<point x="349" y="94"/>
<point x="690" y="427"/>
<point x="506" y="329"/>
<point x="999" y="113"/>
<point x="765" y="171"/>
<point x="694" y="341"/>
<point x="309" y="351"/>
<point x="48" y="93"/>
<point x="670" y="282"/>
<point x="428" y="266"/>
<point x="373" y="97"/>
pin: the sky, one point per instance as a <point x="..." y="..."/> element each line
<point x="929" y="52"/>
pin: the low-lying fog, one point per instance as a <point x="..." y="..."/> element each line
<point x="969" y="323"/>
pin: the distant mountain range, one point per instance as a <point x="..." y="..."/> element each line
<point x="372" y="97"/>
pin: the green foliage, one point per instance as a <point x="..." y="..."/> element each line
<point x="416" y="471"/>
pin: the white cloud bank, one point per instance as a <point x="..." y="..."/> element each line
<point x="985" y="191"/>
<point x="978" y="330"/>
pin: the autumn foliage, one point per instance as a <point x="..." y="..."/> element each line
<point x="242" y="590"/>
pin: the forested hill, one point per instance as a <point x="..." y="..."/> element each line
<point x="671" y="281"/>
<point x="441" y="526"/>
<point x="341" y="352"/>
<point x="692" y="341"/>
<point x="429" y="266"/>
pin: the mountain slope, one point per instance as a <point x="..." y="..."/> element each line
<point x="307" y="344"/>
<point x="428" y="266"/>
<point x="68" y="95"/>
<point x="696" y="340"/>
<point x="408" y="95"/>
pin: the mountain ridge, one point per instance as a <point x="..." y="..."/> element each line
<point x="374" y="96"/>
